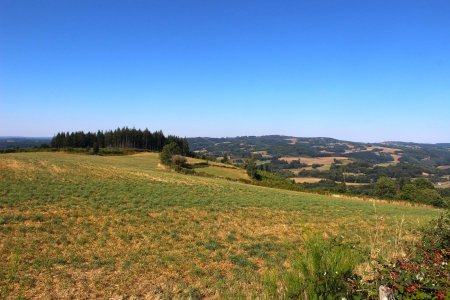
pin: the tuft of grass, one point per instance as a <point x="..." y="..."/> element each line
<point x="213" y="245"/>
<point x="242" y="261"/>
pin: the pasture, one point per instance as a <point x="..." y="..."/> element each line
<point x="88" y="226"/>
<point x="306" y="179"/>
<point x="326" y="160"/>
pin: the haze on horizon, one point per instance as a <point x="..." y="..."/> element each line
<point x="367" y="71"/>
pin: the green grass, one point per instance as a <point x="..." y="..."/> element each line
<point x="217" y="169"/>
<point x="224" y="172"/>
<point x="108" y="226"/>
<point x="387" y="164"/>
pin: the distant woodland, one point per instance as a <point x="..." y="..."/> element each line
<point x="119" y="138"/>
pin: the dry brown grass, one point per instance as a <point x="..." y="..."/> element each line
<point x="326" y="152"/>
<point x="16" y="165"/>
<point x="260" y="152"/>
<point x="191" y="160"/>
<point x="356" y="183"/>
<point x="385" y="149"/>
<point x="315" y="180"/>
<point x="395" y="153"/>
<point x="378" y="200"/>
<point x="306" y="179"/>
<point x="292" y="141"/>
<point x="444" y="184"/>
<point x="396" y="157"/>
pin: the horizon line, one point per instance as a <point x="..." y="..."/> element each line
<point x="265" y="135"/>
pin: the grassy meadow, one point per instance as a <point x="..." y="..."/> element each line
<point x="217" y="169"/>
<point x="88" y="226"/>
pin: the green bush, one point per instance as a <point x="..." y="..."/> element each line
<point x="323" y="271"/>
<point x="416" y="193"/>
<point x="424" y="272"/>
<point x="168" y="151"/>
<point x="179" y="161"/>
<point x="385" y="187"/>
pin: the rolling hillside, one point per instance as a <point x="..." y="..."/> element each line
<point x="334" y="160"/>
<point x="22" y="142"/>
<point x="89" y="226"/>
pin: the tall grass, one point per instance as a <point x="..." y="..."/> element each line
<point x="323" y="270"/>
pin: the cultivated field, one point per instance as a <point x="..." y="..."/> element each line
<point x="217" y="169"/>
<point x="80" y="226"/>
<point x="327" y="160"/>
<point x="306" y="179"/>
<point x="384" y="149"/>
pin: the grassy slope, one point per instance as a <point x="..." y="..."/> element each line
<point x="224" y="172"/>
<point x="220" y="170"/>
<point x="94" y="226"/>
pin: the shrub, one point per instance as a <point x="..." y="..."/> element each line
<point x="423" y="273"/>
<point x="179" y="161"/>
<point x="168" y="151"/>
<point x="324" y="270"/>
<point x="252" y="169"/>
<point x="414" y="193"/>
<point x="315" y="166"/>
<point x="385" y="187"/>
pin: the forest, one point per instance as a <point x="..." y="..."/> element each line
<point x="119" y="138"/>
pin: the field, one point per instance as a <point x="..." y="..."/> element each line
<point x="88" y="226"/>
<point x="327" y="160"/>
<point x="306" y="179"/>
<point x="384" y="149"/>
<point x="356" y="183"/>
<point x="315" y="180"/>
<point x="444" y="184"/>
<point x="218" y="169"/>
<point x="225" y="172"/>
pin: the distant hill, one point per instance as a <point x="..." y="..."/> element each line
<point x="22" y="142"/>
<point x="279" y="146"/>
<point x="339" y="161"/>
<point x="418" y="145"/>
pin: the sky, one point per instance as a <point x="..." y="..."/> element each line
<point x="366" y="71"/>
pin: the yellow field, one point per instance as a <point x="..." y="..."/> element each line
<point x="315" y="180"/>
<point x="444" y="184"/>
<point x="306" y="179"/>
<point x="384" y="149"/>
<point x="355" y="183"/>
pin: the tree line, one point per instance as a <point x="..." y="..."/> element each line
<point x="119" y="138"/>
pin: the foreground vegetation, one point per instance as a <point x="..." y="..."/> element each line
<point x="108" y="226"/>
<point x="424" y="273"/>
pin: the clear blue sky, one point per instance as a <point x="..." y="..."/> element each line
<point x="358" y="70"/>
